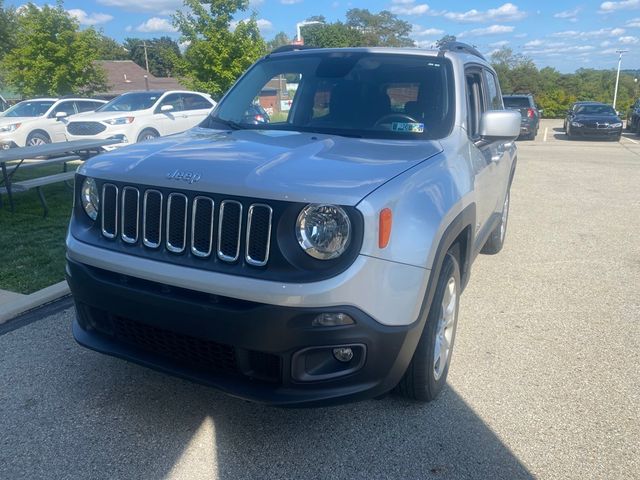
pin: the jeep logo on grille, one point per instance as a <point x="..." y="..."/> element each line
<point x="189" y="177"/>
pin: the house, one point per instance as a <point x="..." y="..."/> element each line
<point x="126" y="76"/>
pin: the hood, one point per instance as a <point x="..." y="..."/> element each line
<point x="10" y="120"/>
<point x="277" y="165"/>
<point x="596" y="118"/>
<point x="101" y="116"/>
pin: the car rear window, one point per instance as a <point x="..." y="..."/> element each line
<point x="516" y="102"/>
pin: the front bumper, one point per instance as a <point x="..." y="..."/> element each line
<point x="247" y="349"/>
<point x="588" y="132"/>
<point x="112" y="131"/>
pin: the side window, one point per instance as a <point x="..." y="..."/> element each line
<point x="86" y="106"/>
<point x="66" y="107"/>
<point x="493" y="91"/>
<point x="191" y="101"/>
<point x="475" y="102"/>
<point x="174" y="99"/>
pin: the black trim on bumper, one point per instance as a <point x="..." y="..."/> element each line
<point x="250" y="345"/>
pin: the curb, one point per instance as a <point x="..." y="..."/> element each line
<point x="34" y="300"/>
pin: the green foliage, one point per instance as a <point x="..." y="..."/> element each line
<point x="216" y="55"/>
<point x="52" y="56"/>
<point x="555" y="92"/>
<point x="281" y="39"/>
<point x="362" y="29"/>
<point x="109" y="49"/>
<point x="445" y="39"/>
<point x="163" y="54"/>
<point x="7" y="29"/>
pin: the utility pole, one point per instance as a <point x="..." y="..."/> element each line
<point x="146" y="58"/>
<point x="615" y="93"/>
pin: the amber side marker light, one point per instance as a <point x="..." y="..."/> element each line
<point x="384" y="228"/>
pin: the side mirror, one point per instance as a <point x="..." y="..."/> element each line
<point x="500" y="125"/>
<point x="166" y="108"/>
<point x="61" y="115"/>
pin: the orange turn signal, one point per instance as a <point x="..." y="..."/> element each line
<point x="384" y="228"/>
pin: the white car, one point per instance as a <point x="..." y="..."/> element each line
<point x="138" y="116"/>
<point x="41" y="120"/>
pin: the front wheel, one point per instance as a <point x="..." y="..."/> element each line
<point x="495" y="242"/>
<point x="427" y="373"/>
<point x="36" y="139"/>
<point x="147" y="134"/>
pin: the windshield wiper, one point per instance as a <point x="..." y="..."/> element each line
<point x="226" y="123"/>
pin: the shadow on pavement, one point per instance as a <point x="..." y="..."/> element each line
<point x="67" y="412"/>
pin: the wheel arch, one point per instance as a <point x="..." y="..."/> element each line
<point x="143" y="129"/>
<point x="40" y="131"/>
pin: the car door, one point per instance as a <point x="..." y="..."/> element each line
<point x="196" y="108"/>
<point x="56" y="125"/>
<point x="170" y="121"/>
<point x="484" y="156"/>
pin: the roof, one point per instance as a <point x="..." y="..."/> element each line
<point x="126" y="76"/>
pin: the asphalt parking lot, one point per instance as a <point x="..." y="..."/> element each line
<point x="545" y="380"/>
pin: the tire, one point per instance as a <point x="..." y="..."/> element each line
<point x="426" y="375"/>
<point x="147" y="134"/>
<point x="495" y="242"/>
<point x="37" y="138"/>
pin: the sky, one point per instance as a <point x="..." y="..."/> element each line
<point x="566" y="35"/>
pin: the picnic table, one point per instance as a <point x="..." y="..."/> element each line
<point x="50" y="154"/>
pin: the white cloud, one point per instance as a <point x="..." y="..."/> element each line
<point x="408" y="7"/>
<point x="289" y="2"/>
<point x="608" y="7"/>
<point x="533" y="43"/>
<point x="89" y="18"/>
<point x="423" y="32"/>
<point x="501" y="43"/>
<point x="603" y="32"/>
<point x="156" y="25"/>
<point x="159" y="7"/>
<point x="633" y="23"/>
<point x="430" y="44"/>
<point x="263" y="24"/>
<point x="570" y="15"/>
<point x="628" y="40"/>
<point x="492" y="30"/>
<point x="505" y="13"/>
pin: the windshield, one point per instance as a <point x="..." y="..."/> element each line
<point x="29" y="108"/>
<point x="357" y="94"/>
<point x="595" y="110"/>
<point x="516" y="102"/>
<point x="130" y="102"/>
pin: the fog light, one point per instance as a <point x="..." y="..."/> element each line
<point x="343" y="354"/>
<point x="332" y="320"/>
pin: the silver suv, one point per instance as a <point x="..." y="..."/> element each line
<point x="313" y="258"/>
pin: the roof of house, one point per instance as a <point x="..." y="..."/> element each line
<point x="126" y="76"/>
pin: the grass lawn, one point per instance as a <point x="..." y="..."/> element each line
<point x="32" y="246"/>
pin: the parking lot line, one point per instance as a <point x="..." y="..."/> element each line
<point x="632" y="141"/>
<point x="546" y="131"/>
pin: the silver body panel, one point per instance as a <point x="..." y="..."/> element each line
<point x="425" y="183"/>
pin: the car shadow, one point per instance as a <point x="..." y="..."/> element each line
<point x="71" y="412"/>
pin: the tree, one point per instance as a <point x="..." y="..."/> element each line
<point x="109" y="49"/>
<point x="516" y="72"/>
<point x="331" y="35"/>
<point x="163" y="54"/>
<point x="217" y="55"/>
<point x="279" y="40"/>
<point x="51" y="55"/>
<point x="382" y="29"/>
<point x="7" y="29"/>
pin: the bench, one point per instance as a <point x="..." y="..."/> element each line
<point x="37" y="184"/>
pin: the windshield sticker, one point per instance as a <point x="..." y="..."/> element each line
<point x="407" y="127"/>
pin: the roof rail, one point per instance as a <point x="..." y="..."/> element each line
<point x="290" y="48"/>
<point x="460" y="47"/>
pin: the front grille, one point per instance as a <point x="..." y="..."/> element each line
<point x="85" y="128"/>
<point x="196" y="225"/>
<point x="187" y="350"/>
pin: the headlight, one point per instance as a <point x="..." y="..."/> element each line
<point x="90" y="198"/>
<point x="120" y="120"/>
<point x="615" y="125"/>
<point x="10" y="128"/>
<point x="323" y="231"/>
<point x="576" y="124"/>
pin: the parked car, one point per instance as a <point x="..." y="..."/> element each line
<point x="137" y="116"/>
<point x="256" y="114"/>
<point x="41" y="120"/>
<point x="633" y="117"/>
<point x="529" y="112"/>
<point x="315" y="259"/>
<point x="595" y="120"/>
<point x="3" y="104"/>
<point x="572" y="111"/>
